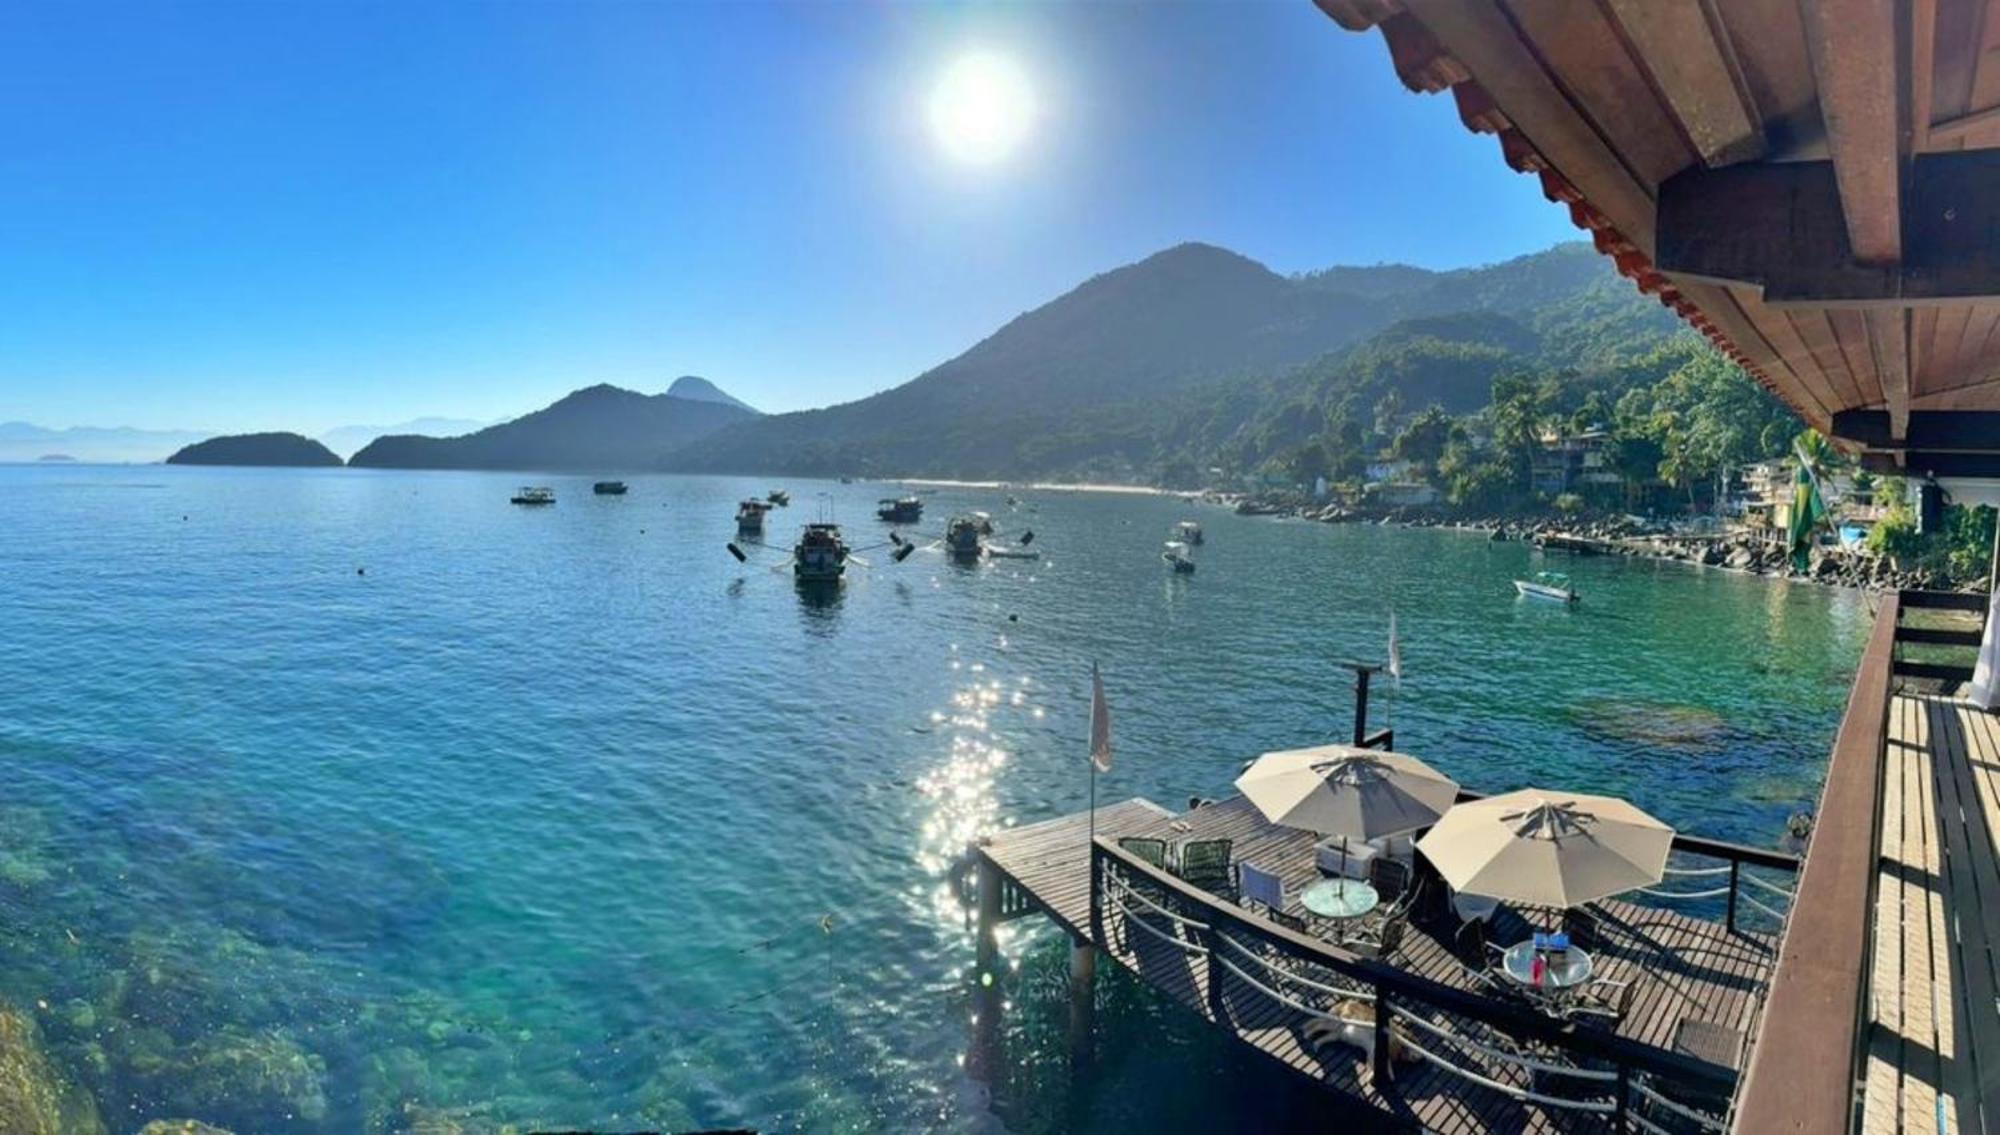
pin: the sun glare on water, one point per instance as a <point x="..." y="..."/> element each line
<point x="981" y="108"/>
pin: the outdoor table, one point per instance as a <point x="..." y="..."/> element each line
<point x="1563" y="971"/>
<point x="1339" y="898"/>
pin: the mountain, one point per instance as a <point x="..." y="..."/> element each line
<point x="25" y="441"/>
<point x="347" y="440"/>
<point x="257" y="449"/>
<point x="598" y="428"/>
<point x="1104" y="380"/>
<point x="694" y="388"/>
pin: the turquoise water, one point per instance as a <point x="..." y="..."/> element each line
<point x="332" y="800"/>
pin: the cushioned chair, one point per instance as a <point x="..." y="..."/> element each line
<point x="1254" y="885"/>
<point x="1153" y="851"/>
<point x="1389" y="878"/>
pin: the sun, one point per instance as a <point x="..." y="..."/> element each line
<point x="981" y="108"/>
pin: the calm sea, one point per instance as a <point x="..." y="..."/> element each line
<point x="339" y="800"/>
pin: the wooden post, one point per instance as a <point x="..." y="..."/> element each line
<point x="1363" y="671"/>
<point x="983" y="1060"/>
<point x="1082" y="1001"/>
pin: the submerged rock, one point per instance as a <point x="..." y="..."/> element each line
<point x="34" y="1100"/>
<point x="180" y="1127"/>
<point x="241" y="1076"/>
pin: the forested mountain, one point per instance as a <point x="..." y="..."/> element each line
<point x="256" y="449"/>
<point x="1197" y="356"/>
<point x="597" y="428"/>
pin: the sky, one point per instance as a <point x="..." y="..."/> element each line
<point x="295" y="215"/>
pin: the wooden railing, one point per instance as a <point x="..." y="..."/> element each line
<point x="1241" y="949"/>
<point x="1965" y="639"/>
<point x="1803" y="1065"/>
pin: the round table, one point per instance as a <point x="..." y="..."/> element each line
<point x="1339" y="898"/>
<point x="1566" y="970"/>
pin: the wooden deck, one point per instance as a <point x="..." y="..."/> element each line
<point x="1934" y="1031"/>
<point x="1684" y="968"/>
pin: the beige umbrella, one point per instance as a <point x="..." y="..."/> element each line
<point x="1544" y="848"/>
<point x="1347" y="791"/>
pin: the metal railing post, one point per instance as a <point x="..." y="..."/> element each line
<point x="1735" y="883"/>
<point x="1384" y="1065"/>
<point x="1618" y="1120"/>
<point x="1211" y="939"/>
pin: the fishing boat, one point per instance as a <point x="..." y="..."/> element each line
<point x="820" y="555"/>
<point x="1177" y="555"/>
<point x="534" y="494"/>
<point x="750" y="517"/>
<point x="1547" y="585"/>
<point x="779" y="497"/>
<point x="963" y="538"/>
<point x="985" y="522"/>
<point x="900" y="510"/>
<point x="1189" y="532"/>
<point x="609" y="488"/>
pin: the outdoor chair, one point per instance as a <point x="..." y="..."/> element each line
<point x="1291" y="922"/>
<point x="1205" y="864"/>
<point x="1601" y="997"/>
<point x="1153" y="851"/>
<point x="1258" y="886"/>
<point x="1380" y="942"/>
<point x="1389" y="878"/>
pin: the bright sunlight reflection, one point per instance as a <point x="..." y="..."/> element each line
<point x="981" y="108"/>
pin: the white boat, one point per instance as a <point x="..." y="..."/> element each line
<point x="1189" y="532"/>
<point x="1176" y="553"/>
<point x="1547" y="585"/>
<point x="534" y="494"/>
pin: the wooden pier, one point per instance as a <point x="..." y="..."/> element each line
<point x="1490" y="1063"/>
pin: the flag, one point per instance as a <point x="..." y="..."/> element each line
<point x="1100" y="723"/>
<point x="1808" y="510"/>
<point x="1395" y="650"/>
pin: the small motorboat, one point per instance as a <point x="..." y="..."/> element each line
<point x="998" y="553"/>
<point x="534" y="494"/>
<point x="1547" y="585"/>
<point x="779" y="497"/>
<point x="1178" y="557"/>
<point x="820" y="555"/>
<point x="900" y="510"/>
<point x="985" y="522"/>
<point x="750" y="517"/>
<point x="1189" y="532"/>
<point x="609" y="488"/>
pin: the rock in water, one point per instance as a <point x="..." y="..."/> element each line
<point x="34" y="1100"/>
<point x="180" y="1127"/>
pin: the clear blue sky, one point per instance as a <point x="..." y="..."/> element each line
<point x="292" y="215"/>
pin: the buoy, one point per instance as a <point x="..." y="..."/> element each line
<point x="361" y="571"/>
<point x="1027" y="537"/>
<point x="902" y="552"/>
<point x="738" y="553"/>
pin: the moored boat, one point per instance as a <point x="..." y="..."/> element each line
<point x="1177" y="555"/>
<point x="750" y="516"/>
<point x="820" y="555"/>
<point x="779" y="497"/>
<point x="962" y="538"/>
<point x="534" y="494"/>
<point x="900" y="510"/>
<point x="609" y="488"/>
<point x="1189" y="532"/>
<point x="1547" y="585"/>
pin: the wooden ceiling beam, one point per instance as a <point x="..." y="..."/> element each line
<point x="1889" y="340"/>
<point x="1852" y="44"/>
<point x="1688" y="61"/>
<point x="1782" y="226"/>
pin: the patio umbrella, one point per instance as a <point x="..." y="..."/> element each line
<point x="1347" y="791"/>
<point x="1544" y="848"/>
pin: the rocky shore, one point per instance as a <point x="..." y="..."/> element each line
<point x="1627" y="536"/>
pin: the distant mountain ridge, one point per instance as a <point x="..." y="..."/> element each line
<point x="349" y="440"/>
<point x="698" y="389"/>
<point x="1103" y="379"/>
<point x="598" y="428"/>
<point x="25" y="441"/>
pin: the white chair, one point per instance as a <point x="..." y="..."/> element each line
<point x="1254" y="884"/>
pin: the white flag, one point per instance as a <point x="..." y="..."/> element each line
<point x="1100" y="723"/>
<point x="1395" y="650"/>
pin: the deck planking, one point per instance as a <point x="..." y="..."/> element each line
<point x="1933" y="1037"/>
<point x="1684" y="967"/>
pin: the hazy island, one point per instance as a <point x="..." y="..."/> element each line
<point x="257" y="449"/>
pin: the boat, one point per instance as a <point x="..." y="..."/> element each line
<point x="534" y="494"/>
<point x="820" y="555"/>
<point x="1176" y="553"/>
<point x="1547" y="585"/>
<point x="962" y="538"/>
<point x="1013" y="553"/>
<point x="985" y="522"/>
<point x="900" y="510"/>
<point x="1189" y="532"/>
<point x="609" y="488"/>
<point x="779" y="497"/>
<point x="847" y="480"/>
<point x="750" y="516"/>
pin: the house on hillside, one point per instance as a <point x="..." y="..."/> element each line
<point x="1566" y="463"/>
<point x="1399" y="494"/>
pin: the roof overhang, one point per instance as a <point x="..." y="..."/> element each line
<point x="1813" y="186"/>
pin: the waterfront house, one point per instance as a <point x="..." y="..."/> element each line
<point x="1813" y="185"/>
